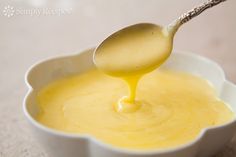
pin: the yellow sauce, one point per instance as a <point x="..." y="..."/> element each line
<point x="173" y="108"/>
<point x="132" y="52"/>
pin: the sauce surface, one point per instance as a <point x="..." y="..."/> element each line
<point x="173" y="108"/>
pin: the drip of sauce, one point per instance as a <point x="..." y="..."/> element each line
<point x="131" y="53"/>
<point x="173" y="108"/>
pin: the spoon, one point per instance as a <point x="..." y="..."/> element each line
<point x="141" y="48"/>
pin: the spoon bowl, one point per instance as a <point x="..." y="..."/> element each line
<point x="136" y="49"/>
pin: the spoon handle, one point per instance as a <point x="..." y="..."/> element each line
<point x="191" y="14"/>
<point x="198" y="10"/>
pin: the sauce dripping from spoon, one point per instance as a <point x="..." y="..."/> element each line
<point x="136" y="50"/>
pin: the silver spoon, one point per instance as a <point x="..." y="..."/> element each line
<point x="141" y="48"/>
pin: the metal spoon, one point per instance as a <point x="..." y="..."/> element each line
<point x="141" y="48"/>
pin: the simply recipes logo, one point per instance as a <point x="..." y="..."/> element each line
<point x="9" y="11"/>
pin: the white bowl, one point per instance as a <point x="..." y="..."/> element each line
<point x="61" y="144"/>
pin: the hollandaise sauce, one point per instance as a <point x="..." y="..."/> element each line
<point x="173" y="107"/>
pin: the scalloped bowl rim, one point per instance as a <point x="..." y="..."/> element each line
<point x="90" y="138"/>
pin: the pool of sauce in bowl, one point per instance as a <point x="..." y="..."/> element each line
<point x="173" y="108"/>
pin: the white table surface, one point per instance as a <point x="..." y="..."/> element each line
<point x="25" y="39"/>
